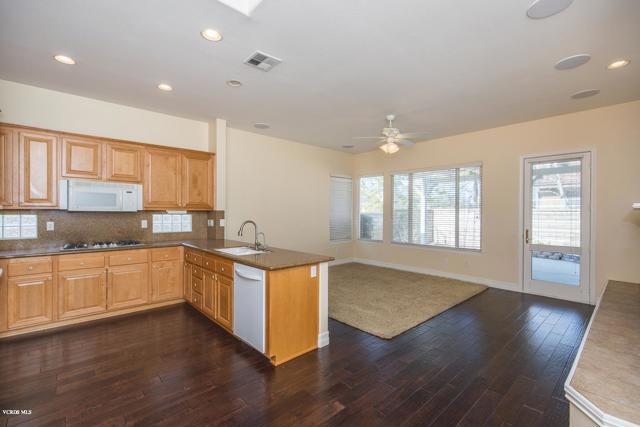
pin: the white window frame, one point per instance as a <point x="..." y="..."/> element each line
<point x="384" y="181"/>
<point x="350" y="239"/>
<point x="439" y="168"/>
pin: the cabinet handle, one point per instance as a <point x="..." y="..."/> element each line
<point x="1" y="272"/>
<point x="20" y="285"/>
<point x="30" y="268"/>
<point x="128" y="258"/>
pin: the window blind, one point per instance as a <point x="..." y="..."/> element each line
<point x="341" y="208"/>
<point x="371" y="207"/>
<point x="438" y="207"/>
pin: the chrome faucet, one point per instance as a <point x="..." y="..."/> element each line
<point x="257" y="246"/>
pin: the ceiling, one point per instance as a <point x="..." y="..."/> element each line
<point x="444" y="66"/>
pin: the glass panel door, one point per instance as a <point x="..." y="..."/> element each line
<point x="557" y="225"/>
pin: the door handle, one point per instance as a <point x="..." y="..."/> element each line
<point x="526" y="236"/>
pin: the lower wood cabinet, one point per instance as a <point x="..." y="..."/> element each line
<point x="30" y="300"/>
<point x="224" y="306"/>
<point x="82" y="292"/>
<point x="166" y="280"/>
<point x="128" y="286"/>
<point x="209" y="294"/>
<point x="187" y="281"/>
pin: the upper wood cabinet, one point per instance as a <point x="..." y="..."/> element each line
<point x="81" y="158"/>
<point x="197" y="181"/>
<point x="6" y="167"/>
<point x="162" y="179"/>
<point x="38" y="169"/>
<point x="123" y="162"/>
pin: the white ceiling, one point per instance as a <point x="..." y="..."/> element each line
<point x="446" y="66"/>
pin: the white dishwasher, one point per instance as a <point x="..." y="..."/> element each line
<point x="249" y="305"/>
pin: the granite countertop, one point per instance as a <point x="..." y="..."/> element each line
<point x="607" y="371"/>
<point x="274" y="259"/>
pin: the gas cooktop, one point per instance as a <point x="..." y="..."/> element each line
<point x="100" y="245"/>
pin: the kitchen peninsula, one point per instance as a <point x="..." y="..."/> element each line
<point x="48" y="287"/>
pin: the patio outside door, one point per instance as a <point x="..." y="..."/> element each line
<point x="557" y="205"/>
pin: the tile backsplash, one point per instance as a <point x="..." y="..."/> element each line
<point x="111" y="226"/>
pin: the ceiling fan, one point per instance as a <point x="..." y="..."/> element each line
<point x="391" y="137"/>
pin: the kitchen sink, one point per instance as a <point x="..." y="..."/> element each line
<point x="240" y="251"/>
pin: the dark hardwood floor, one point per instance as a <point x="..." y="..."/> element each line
<point x="498" y="359"/>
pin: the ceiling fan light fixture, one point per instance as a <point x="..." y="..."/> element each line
<point x="390" y="147"/>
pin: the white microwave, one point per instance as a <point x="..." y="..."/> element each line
<point x="94" y="196"/>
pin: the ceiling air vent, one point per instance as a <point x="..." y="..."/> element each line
<point x="262" y="61"/>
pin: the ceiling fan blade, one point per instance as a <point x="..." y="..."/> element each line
<point x="406" y="142"/>
<point x="407" y="134"/>
<point x="367" y="137"/>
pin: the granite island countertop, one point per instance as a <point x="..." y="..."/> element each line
<point x="274" y="259"/>
<point x="606" y="375"/>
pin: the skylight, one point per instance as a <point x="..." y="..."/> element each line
<point x="243" y="6"/>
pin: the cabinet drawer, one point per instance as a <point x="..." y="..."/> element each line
<point x="129" y="257"/>
<point x="165" y="254"/>
<point x="34" y="265"/>
<point x="78" y="262"/>
<point x="196" y="285"/>
<point x="224" y="267"/>
<point x="196" y="271"/>
<point x="193" y="258"/>
<point x="196" y="299"/>
<point x="209" y="263"/>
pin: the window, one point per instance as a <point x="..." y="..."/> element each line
<point x="18" y="227"/>
<point x="438" y="207"/>
<point x="371" y="207"/>
<point x="172" y="223"/>
<point x="341" y="208"/>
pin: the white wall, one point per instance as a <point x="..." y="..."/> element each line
<point x="284" y="187"/>
<point x="43" y="108"/>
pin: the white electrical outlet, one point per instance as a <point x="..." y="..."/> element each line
<point x="314" y="271"/>
<point x="211" y="222"/>
<point x="51" y="225"/>
<point x="144" y="223"/>
<point x="222" y="222"/>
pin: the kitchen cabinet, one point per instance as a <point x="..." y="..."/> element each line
<point x="6" y="167"/>
<point x="209" y="294"/>
<point x="81" y="158"/>
<point x="123" y="162"/>
<point x="166" y="280"/>
<point x="162" y="179"/>
<point x="187" y="282"/>
<point x="197" y="181"/>
<point x="224" y="303"/>
<point x="38" y="169"/>
<point x="128" y="285"/>
<point x="82" y="292"/>
<point x="29" y="300"/>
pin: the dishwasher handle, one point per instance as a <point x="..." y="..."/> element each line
<point x="245" y="275"/>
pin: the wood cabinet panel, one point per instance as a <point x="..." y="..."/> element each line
<point x="224" y="303"/>
<point x="82" y="292"/>
<point x="7" y="168"/>
<point x="30" y="300"/>
<point x="123" y="162"/>
<point x="224" y="267"/>
<point x="196" y="300"/>
<point x="162" y="179"/>
<point x="127" y="285"/>
<point x="197" y="181"/>
<point x="196" y="284"/>
<point x="80" y="261"/>
<point x="186" y="282"/>
<point x="166" y="280"/>
<point x="193" y="257"/>
<point x="129" y="257"/>
<point x="28" y="266"/>
<point x="165" y="254"/>
<point x="81" y="158"/>
<point x="38" y="169"/>
<point x="209" y="294"/>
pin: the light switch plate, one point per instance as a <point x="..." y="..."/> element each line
<point x="222" y="222"/>
<point x="144" y="223"/>
<point x="314" y="271"/>
<point x="51" y="225"/>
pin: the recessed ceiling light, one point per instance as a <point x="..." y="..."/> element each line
<point x="585" y="93"/>
<point x="165" y="87"/>
<point x="234" y="83"/>
<point x="211" y="35"/>
<point x="544" y="8"/>
<point x="65" y="59"/>
<point x="619" y="63"/>
<point x="261" y="125"/>
<point x="572" y="61"/>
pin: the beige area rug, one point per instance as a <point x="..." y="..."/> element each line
<point x="386" y="302"/>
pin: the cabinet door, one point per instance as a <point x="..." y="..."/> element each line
<point x="162" y="179"/>
<point x="6" y="167"/>
<point x="30" y="301"/>
<point x="82" y="292"/>
<point x="209" y="303"/>
<point x="186" y="281"/>
<point x="128" y="285"/>
<point x="197" y="181"/>
<point x="124" y="162"/>
<point x="166" y="280"/>
<point x="224" y="309"/>
<point x="38" y="169"/>
<point x="81" y="158"/>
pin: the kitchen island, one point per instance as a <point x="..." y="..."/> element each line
<point x="48" y="287"/>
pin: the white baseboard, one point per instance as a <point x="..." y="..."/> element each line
<point x="323" y="339"/>
<point x="463" y="277"/>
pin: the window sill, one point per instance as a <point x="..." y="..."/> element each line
<point x="370" y="240"/>
<point x="439" y="248"/>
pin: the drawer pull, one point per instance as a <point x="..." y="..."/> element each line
<point x="82" y="263"/>
<point x="128" y="258"/>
